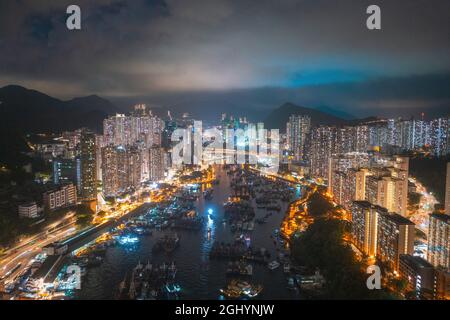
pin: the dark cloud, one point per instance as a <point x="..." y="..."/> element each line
<point x="397" y="97"/>
<point x="300" y="47"/>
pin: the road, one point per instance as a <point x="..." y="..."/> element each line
<point x="426" y="207"/>
<point x="28" y="248"/>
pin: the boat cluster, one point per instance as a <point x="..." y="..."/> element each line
<point x="238" y="251"/>
<point x="238" y="212"/>
<point x="150" y="282"/>
<point x="168" y="243"/>
<point x="178" y="214"/>
<point x="236" y="289"/>
<point x="250" y="190"/>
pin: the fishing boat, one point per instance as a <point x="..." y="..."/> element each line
<point x="261" y="221"/>
<point x="173" y="288"/>
<point x="239" y="269"/>
<point x="291" y="284"/>
<point x="207" y="194"/>
<point x="237" y="289"/>
<point x="273" y="265"/>
<point x="122" y="287"/>
<point x="168" y="243"/>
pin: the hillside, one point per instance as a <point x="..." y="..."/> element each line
<point x="32" y="111"/>
<point x="278" y="118"/>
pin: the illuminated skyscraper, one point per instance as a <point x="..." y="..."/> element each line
<point x="323" y="145"/>
<point x="447" y="190"/>
<point x="346" y="139"/>
<point x="360" y="183"/>
<point x="362" y="138"/>
<point x="439" y="136"/>
<point x="344" y="162"/>
<point x="109" y="170"/>
<point x="395" y="237"/>
<point x="99" y="144"/>
<point x="121" y="169"/>
<point x="439" y="241"/>
<point x="156" y="162"/>
<point x="88" y="166"/>
<point x="387" y="186"/>
<point x="378" y="233"/>
<point x="365" y="226"/>
<point x="126" y="130"/>
<point x="298" y="130"/>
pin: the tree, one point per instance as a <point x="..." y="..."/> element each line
<point x="414" y="198"/>
<point x="399" y="284"/>
<point x="321" y="246"/>
<point x="318" y="205"/>
<point x="84" y="215"/>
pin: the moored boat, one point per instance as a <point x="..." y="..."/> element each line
<point x="273" y="265"/>
<point x="237" y="289"/>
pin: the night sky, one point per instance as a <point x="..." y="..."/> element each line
<point x="256" y="53"/>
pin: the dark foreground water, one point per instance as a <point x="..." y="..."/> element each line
<point x="199" y="277"/>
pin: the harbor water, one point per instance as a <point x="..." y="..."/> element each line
<point x="198" y="276"/>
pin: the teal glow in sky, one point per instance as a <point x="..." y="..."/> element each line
<point x="142" y="47"/>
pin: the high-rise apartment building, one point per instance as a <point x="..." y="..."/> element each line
<point x="406" y="135"/>
<point x="395" y="237"/>
<point x="156" y="163"/>
<point x="126" y="130"/>
<point x="439" y="133"/>
<point x="362" y="138"/>
<point x="419" y="274"/>
<point x="99" y="144"/>
<point x="387" y="185"/>
<point x="323" y="145"/>
<point x="360" y="177"/>
<point x="345" y="161"/>
<point x="378" y="233"/>
<point x="439" y="241"/>
<point x="447" y="190"/>
<point x="365" y="226"/>
<point x="297" y="132"/>
<point x="121" y="169"/>
<point x="88" y="166"/>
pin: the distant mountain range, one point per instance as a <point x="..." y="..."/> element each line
<point x="32" y="111"/>
<point x="278" y="118"/>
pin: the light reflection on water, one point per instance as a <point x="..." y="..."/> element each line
<point x="198" y="277"/>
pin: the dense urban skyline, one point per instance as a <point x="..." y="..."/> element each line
<point x="224" y="150"/>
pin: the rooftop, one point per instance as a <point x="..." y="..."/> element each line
<point x="415" y="261"/>
<point x="441" y="216"/>
<point x="398" y="219"/>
